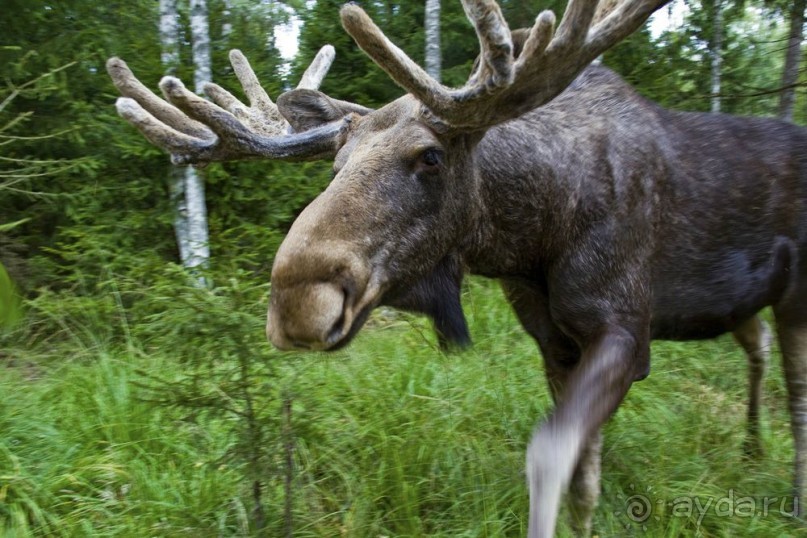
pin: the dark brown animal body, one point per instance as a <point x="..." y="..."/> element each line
<point x="609" y="220"/>
<point x="601" y="183"/>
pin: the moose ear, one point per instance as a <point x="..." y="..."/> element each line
<point x="307" y="109"/>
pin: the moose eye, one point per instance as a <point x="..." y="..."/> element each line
<point x="430" y="160"/>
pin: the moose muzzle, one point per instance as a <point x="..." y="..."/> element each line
<point x="320" y="295"/>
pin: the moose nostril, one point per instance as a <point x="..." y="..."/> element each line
<point x="337" y="329"/>
<point x="335" y="335"/>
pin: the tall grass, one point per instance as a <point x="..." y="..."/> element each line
<point x="391" y="438"/>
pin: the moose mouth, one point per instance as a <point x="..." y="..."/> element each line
<point x="338" y="341"/>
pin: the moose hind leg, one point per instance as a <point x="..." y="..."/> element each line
<point x="755" y="338"/>
<point x="792" y="329"/>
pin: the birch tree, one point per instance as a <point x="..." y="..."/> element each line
<point x="169" y="41"/>
<point x="432" y="25"/>
<point x="226" y="19"/>
<point x="187" y="187"/>
<point x="198" y="249"/>
<point x="790" y="74"/>
<point x="716" y="52"/>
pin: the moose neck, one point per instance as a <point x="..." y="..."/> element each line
<point x="526" y="208"/>
<point x="545" y="179"/>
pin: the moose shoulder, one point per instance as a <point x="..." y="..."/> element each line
<point x="609" y="220"/>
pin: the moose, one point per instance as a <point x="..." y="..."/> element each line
<point x="609" y="220"/>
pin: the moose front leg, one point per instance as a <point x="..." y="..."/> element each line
<point x="584" y="490"/>
<point x="561" y="355"/>
<point x="591" y="394"/>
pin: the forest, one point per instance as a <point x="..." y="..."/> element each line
<point x="138" y="393"/>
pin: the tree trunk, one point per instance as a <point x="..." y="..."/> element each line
<point x="432" y="24"/>
<point x="169" y="56"/>
<point x="169" y="36"/>
<point x="199" y="251"/>
<point x="226" y="20"/>
<point x="715" y="51"/>
<point x="790" y="74"/>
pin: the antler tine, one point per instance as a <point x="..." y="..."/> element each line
<point x="555" y="63"/>
<point x="313" y="76"/>
<point x="575" y="23"/>
<point x="157" y="132"/>
<point x="235" y="140"/>
<point x="623" y="19"/>
<point x="539" y="38"/>
<point x="263" y="115"/>
<point x="128" y="85"/>
<point x="257" y="96"/>
<point x="393" y="60"/>
<point x="495" y="43"/>
<point x="503" y="87"/>
<point x="222" y="122"/>
<point x="196" y="131"/>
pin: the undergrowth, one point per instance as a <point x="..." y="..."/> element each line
<point x="116" y="421"/>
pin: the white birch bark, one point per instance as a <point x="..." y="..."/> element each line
<point x="432" y="25"/>
<point x="169" y="56"/>
<point x="199" y="250"/>
<point x="226" y="20"/>
<point x="715" y="50"/>
<point x="169" y="36"/>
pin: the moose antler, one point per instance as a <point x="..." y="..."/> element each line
<point x="196" y="131"/>
<point x="504" y="86"/>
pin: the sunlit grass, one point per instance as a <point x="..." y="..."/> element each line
<point x="392" y="438"/>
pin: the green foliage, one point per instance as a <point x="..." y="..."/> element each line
<point x="81" y="455"/>
<point x="227" y="372"/>
<point x="391" y="437"/>
<point x="9" y="300"/>
<point x="674" y="69"/>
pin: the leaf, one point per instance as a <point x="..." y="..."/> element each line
<point x="11" y="225"/>
<point x="10" y="311"/>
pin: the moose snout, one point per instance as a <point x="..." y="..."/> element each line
<point x="316" y="296"/>
<point x="310" y="316"/>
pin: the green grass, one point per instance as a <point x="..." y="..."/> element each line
<point x="392" y="438"/>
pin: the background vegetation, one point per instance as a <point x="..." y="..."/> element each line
<point x="133" y="403"/>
